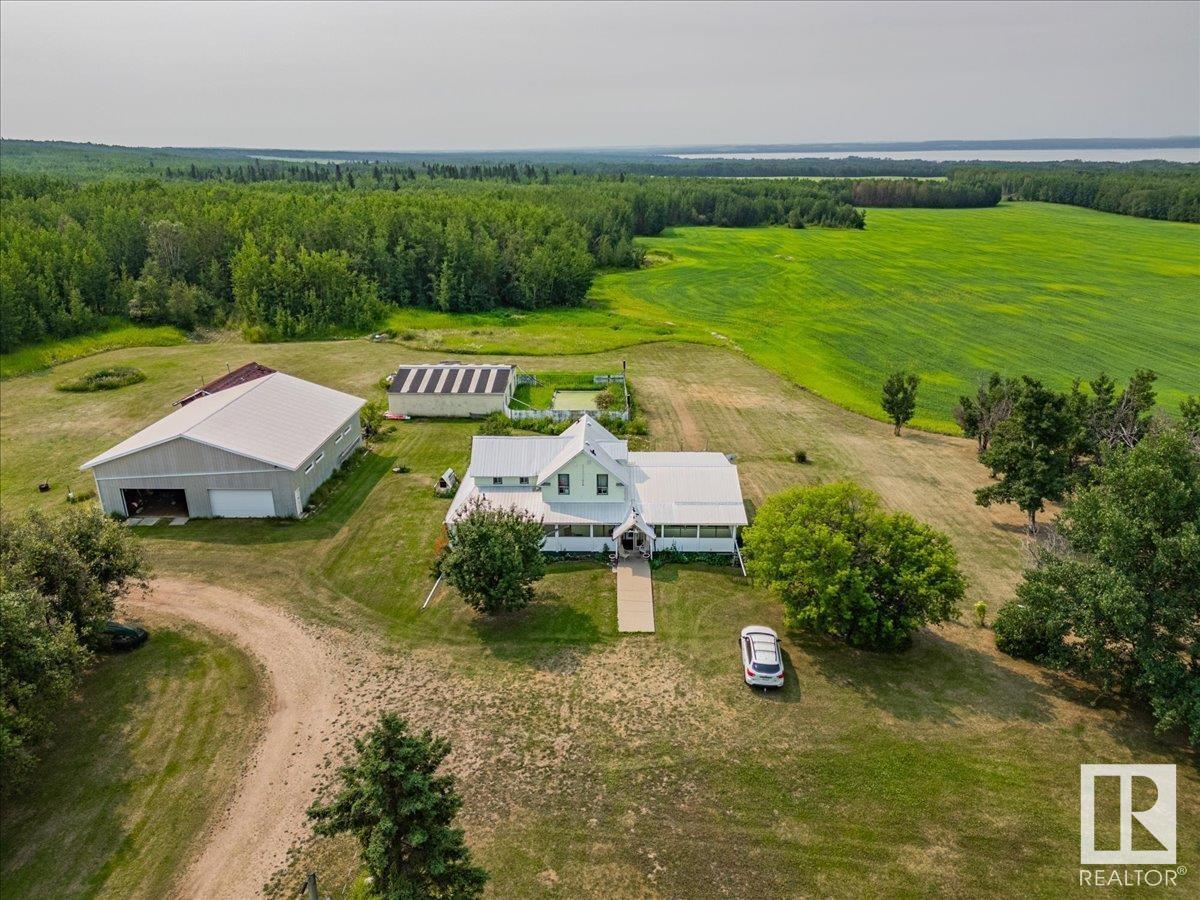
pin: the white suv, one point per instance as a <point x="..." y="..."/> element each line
<point x="762" y="658"/>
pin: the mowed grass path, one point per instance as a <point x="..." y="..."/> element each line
<point x="140" y="762"/>
<point x="1052" y="291"/>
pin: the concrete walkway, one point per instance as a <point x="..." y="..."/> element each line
<point x="635" y="597"/>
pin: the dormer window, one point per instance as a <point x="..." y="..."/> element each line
<point x="564" y="483"/>
<point x="524" y="479"/>
<point x="601" y="485"/>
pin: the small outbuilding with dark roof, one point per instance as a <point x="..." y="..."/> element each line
<point x="451" y="389"/>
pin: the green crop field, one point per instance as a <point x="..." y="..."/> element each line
<point x="1051" y="291"/>
<point x="1028" y="288"/>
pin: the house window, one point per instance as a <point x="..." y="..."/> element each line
<point x="524" y="479"/>
<point x="679" y="531"/>
<point x="549" y="530"/>
<point x="714" y="531"/>
<point x="574" y="531"/>
<point x="564" y="483"/>
<point x="309" y="468"/>
<point x="601" y="485"/>
<point x="320" y="456"/>
<point x="497" y="480"/>
<point x="603" y="531"/>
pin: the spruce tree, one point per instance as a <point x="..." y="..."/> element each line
<point x="402" y="812"/>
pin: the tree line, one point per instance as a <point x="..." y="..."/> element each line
<point x="1170" y="193"/>
<point x="1113" y="595"/>
<point x="60" y="580"/>
<point x="289" y="259"/>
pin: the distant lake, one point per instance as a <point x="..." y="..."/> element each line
<point x="1171" y="154"/>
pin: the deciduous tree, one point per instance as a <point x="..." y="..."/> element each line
<point x="842" y="566"/>
<point x="1119" y="605"/>
<point x="900" y="397"/>
<point x="40" y="662"/>
<point x="1030" y="451"/>
<point x="81" y="562"/>
<point x="979" y="416"/>
<point x="494" y="556"/>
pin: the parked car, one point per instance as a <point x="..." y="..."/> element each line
<point x="125" y="637"/>
<point x="762" y="657"/>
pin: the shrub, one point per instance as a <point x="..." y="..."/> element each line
<point x="371" y="417"/>
<point x="494" y="557"/>
<point x="800" y="456"/>
<point x="1023" y="632"/>
<point x="980" y="613"/>
<point x="107" y="379"/>
<point x="497" y="424"/>
<point x="843" y="567"/>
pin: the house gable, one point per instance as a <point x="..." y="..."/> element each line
<point x="582" y="470"/>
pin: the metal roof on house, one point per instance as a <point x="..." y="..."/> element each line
<point x="664" y="488"/>
<point x="702" y="489"/>
<point x="451" y="378"/>
<point x="276" y="419"/>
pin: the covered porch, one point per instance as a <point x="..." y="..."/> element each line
<point x="634" y="537"/>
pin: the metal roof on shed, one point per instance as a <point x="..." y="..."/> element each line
<point x="277" y="419"/>
<point x="451" y="378"/>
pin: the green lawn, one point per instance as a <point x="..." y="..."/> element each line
<point x="541" y="394"/>
<point x="139" y="764"/>
<point x="619" y="765"/>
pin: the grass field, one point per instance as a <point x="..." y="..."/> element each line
<point x="36" y="357"/>
<point x="594" y="764"/>
<point x="1052" y="291"/>
<point x="139" y="764"/>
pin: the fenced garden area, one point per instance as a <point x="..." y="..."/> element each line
<point x="564" y="395"/>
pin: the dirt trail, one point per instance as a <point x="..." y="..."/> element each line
<point x="308" y="685"/>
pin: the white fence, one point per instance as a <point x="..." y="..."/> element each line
<point x="563" y="415"/>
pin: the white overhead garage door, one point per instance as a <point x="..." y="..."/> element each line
<point x="242" y="504"/>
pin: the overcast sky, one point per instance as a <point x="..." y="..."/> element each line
<point x="398" y="76"/>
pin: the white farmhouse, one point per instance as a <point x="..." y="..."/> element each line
<point x="592" y="494"/>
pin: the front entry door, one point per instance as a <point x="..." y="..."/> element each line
<point x="627" y="539"/>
